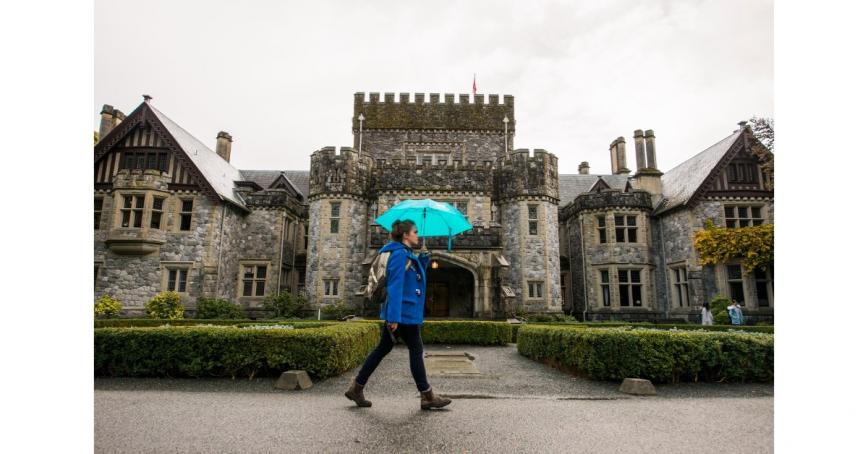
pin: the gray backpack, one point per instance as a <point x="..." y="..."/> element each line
<point x="376" y="288"/>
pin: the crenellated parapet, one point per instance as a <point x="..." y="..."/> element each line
<point x="347" y="172"/>
<point x="526" y="175"/>
<point x="607" y="200"/>
<point x="482" y="114"/>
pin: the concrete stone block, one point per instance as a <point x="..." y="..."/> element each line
<point x="637" y="386"/>
<point x="292" y="380"/>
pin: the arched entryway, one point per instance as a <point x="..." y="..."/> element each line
<point x="451" y="290"/>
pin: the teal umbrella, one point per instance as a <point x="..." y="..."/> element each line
<point x="431" y="218"/>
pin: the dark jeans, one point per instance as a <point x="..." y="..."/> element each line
<point x="412" y="335"/>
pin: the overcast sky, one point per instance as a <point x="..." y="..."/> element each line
<point x="280" y="76"/>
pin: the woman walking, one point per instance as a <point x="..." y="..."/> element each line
<point x="707" y="318"/>
<point x="402" y="314"/>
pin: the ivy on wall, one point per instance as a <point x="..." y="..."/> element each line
<point x="754" y="245"/>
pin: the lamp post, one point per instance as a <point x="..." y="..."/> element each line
<point x="361" y="126"/>
<point x="505" y="136"/>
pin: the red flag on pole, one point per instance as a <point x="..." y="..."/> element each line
<point x="474" y="83"/>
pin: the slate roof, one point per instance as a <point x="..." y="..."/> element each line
<point x="300" y="179"/>
<point x="220" y="174"/>
<point x="572" y="185"/>
<point x="680" y="183"/>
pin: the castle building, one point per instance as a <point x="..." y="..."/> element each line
<point x="170" y="213"/>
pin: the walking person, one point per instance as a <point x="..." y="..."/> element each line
<point x="735" y="314"/>
<point x="707" y="318"/>
<point x="402" y="313"/>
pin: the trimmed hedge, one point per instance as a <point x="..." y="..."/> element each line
<point x="190" y="351"/>
<point x="149" y="322"/>
<point x="685" y="327"/>
<point x="466" y="332"/>
<point x="656" y="355"/>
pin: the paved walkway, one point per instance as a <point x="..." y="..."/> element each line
<point x="515" y="405"/>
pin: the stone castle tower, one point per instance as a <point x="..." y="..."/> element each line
<point x="458" y="152"/>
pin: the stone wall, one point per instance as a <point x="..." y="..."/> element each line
<point x="337" y="255"/>
<point x="462" y="147"/>
<point x="532" y="257"/>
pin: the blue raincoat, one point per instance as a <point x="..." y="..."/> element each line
<point x="735" y="315"/>
<point x="405" y="303"/>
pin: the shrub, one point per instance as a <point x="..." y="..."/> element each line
<point x="336" y="310"/>
<point x="217" y="308"/>
<point x="718" y="310"/>
<point x="659" y="356"/>
<point x="284" y="304"/>
<point x="466" y="332"/>
<point x="107" y="307"/>
<point x="165" y="305"/>
<point x="228" y="351"/>
<point x="147" y="322"/>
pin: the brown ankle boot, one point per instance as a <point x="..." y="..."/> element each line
<point x="431" y="400"/>
<point x="356" y="395"/>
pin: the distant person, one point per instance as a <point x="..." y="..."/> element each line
<point x="402" y="314"/>
<point x="707" y="319"/>
<point x="735" y="314"/>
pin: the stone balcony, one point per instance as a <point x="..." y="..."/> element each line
<point x="477" y="238"/>
<point x="133" y="241"/>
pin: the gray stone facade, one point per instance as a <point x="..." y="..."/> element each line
<point x="536" y="240"/>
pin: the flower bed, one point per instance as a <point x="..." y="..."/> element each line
<point x="657" y="355"/>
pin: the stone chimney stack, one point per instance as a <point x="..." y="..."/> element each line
<point x="622" y="156"/>
<point x="584" y="168"/>
<point x="639" y="139"/>
<point x="224" y="145"/>
<point x="650" y="148"/>
<point x="613" y="154"/>
<point x="109" y="118"/>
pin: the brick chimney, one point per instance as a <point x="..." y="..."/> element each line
<point x="109" y="118"/>
<point x="613" y="154"/>
<point x="647" y="176"/>
<point x="622" y="156"/>
<point x="639" y="139"/>
<point x="650" y="148"/>
<point x="224" y="145"/>
<point x="584" y="168"/>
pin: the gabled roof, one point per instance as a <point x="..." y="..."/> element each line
<point x="681" y="183"/>
<point x="218" y="175"/>
<point x="572" y="185"/>
<point x="299" y="179"/>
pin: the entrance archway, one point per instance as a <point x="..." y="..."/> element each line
<point x="451" y="290"/>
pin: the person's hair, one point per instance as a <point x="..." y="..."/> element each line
<point x="399" y="228"/>
<point x="705" y="304"/>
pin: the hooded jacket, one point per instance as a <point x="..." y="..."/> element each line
<point x="405" y="301"/>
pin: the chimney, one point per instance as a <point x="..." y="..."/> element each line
<point x="650" y="148"/>
<point x="613" y="153"/>
<point x="109" y="118"/>
<point x="640" y="149"/>
<point x="224" y="145"/>
<point x="622" y="156"/>
<point x="584" y="168"/>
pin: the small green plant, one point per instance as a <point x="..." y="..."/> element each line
<point x="165" y="305"/>
<point x="217" y="308"/>
<point x="336" y="310"/>
<point x="107" y="307"/>
<point x="284" y="304"/>
<point x="718" y="309"/>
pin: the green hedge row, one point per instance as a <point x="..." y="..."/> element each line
<point x="466" y="332"/>
<point x="684" y="327"/>
<point x="656" y="355"/>
<point x="149" y="322"/>
<point x="188" y="351"/>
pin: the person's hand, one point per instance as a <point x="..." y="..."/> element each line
<point x="393" y="327"/>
